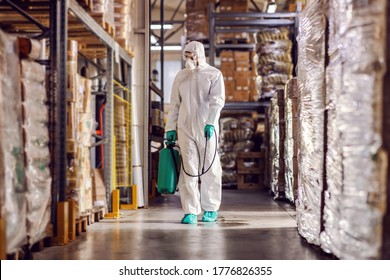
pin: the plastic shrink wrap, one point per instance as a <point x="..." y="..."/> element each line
<point x="36" y="150"/>
<point x="12" y="171"/>
<point x="356" y="164"/>
<point x="290" y="142"/>
<point x="311" y="105"/>
<point x="277" y="145"/>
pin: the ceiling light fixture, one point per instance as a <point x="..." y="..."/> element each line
<point x="158" y="26"/>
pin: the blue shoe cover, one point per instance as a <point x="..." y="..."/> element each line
<point x="189" y="219"/>
<point x="210" y="216"/>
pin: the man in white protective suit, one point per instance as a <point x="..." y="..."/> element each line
<point x="198" y="96"/>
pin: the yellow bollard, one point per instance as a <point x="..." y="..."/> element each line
<point x="115" y="206"/>
<point x="134" y="204"/>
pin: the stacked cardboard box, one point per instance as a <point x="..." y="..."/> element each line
<point x="235" y="67"/>
<point x="291" y="146"/>
<point x="124" y="23"/>
<point x="80" y="126"/>
<point x="197" y="22"/>
<point x="233" y="6"/>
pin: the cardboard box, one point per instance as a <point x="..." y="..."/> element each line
<point x="242" y="83"/>
<point x="242" y="74"/>
<point x="241" y="56"/>
<point x="242" y="65"/>
<point x="71" y="121"/>
<point x="240" y="95"/>
<point x="227" y="69"/>
<point x="227" y="56"/>
<point x="237" y="6"/>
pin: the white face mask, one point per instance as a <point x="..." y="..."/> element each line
<point x="191" y="64"/>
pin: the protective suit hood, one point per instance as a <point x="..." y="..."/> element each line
<point x="197" y="49"/>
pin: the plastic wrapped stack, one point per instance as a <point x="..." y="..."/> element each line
<point x="311" y="106"/>
<point x="273" y="60"/>
<point x="106" y="8"/>
<point x="36" y="149"/>
<point x="277" y="135"/>
<point x="80" y="127"/>
<point x="124" y="16"/>
<point x="290" y="142"/>
<point x="12" y="169"/>
<point x="236" y="136"/>
<point x="356" y="164"/>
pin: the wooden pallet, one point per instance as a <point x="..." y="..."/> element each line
<point x="81" y="225"/>
<point x="243" y="184"/>
<point x="256" y="157"/>
<point x="97" y="214"/>
<point x="256" y="171"/>
<point x="41" y="244"/>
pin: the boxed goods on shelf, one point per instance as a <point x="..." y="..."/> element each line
<point x="80" y="127"/>
<point x="233" y="6"/>
<point x="356" y="163"/>
<point x="12" y="170"/>
<point x="197" y="21"/>
<point x="124" y="23"/>
<point x="311" y="107"/>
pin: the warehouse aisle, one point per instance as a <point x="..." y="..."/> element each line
<point x="251" y="226"/>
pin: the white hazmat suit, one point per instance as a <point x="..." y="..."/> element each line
<point x="198" y="96"/>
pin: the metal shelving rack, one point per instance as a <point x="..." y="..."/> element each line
<point x="57" y="12"/>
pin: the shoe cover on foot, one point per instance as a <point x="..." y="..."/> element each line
<point x="189" y="219"/>
<point x="210" y="216"/>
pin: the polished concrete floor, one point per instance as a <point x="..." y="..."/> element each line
<point x="251" y="226"/>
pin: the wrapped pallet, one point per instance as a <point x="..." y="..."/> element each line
<point x="386" y="146"/>
<point x="311" y="106"/>
<point x="12" y="171"/>
<point x="36" y="151"/>
<point x="124" y="25"/>
<point x="290" y="142"/>
<point x="276" y="141"/>
<point x="356" y="163"/>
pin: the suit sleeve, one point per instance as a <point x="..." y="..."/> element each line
<point x="216" y="100"/>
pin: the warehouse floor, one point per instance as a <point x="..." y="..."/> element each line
<point x="251" y="226"/>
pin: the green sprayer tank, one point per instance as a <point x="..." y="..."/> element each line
<point x="168" y="170"/>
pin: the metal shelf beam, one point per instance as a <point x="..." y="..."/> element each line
<point x="255" y="22"/>
<point x="235" y="46"/>
<point x="255" y="15"/>
<point x="247" y="106"/>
